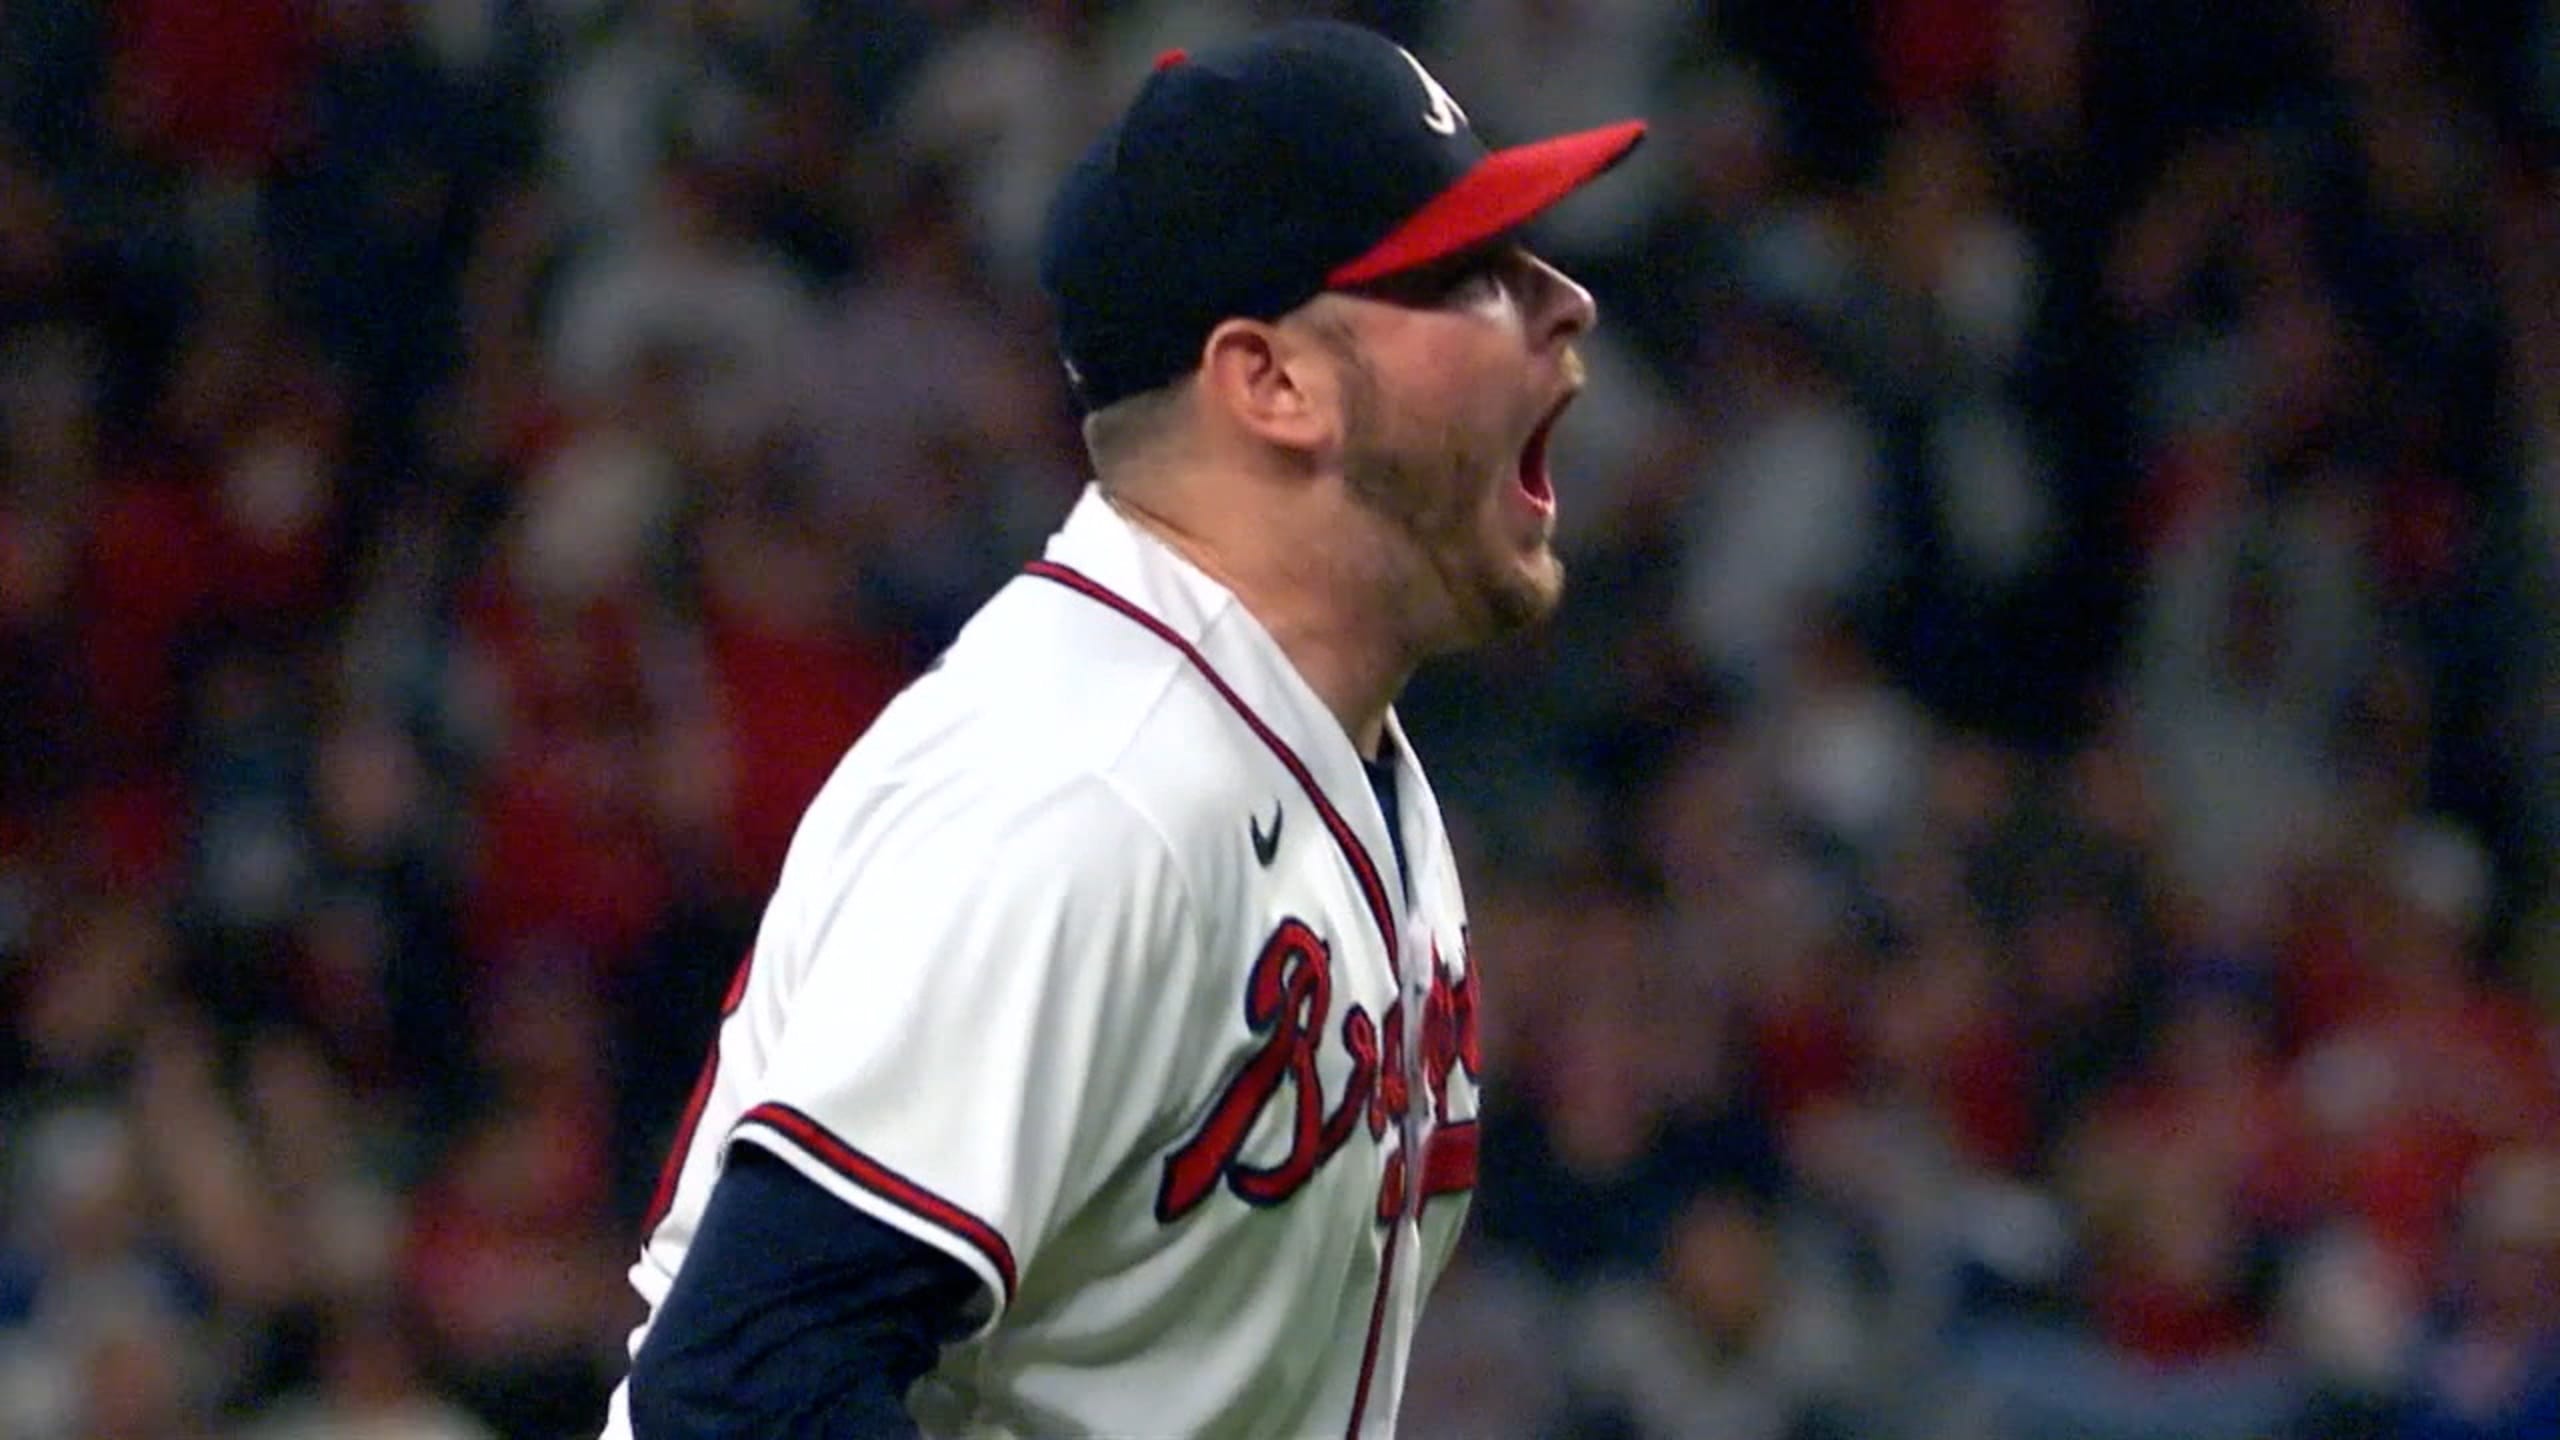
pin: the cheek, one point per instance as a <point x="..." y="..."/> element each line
<point x="1441" y="456"/>
<point x="1471" y="473"/>
<point x="1464" y="438"/>
<point x="1496" y="434"/>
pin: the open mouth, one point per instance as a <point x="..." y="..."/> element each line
<point x="1535" y="480"/>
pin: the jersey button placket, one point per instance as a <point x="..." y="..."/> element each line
<point x="1415" y="986"/>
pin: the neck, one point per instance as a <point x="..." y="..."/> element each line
<point x="1323" y="619"/>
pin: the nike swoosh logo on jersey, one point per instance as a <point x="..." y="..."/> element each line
<point x="1266" y="846"/>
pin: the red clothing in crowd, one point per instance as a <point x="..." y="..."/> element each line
<point x="215" y="87"/>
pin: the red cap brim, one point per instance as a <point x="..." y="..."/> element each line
<point x="1505" y="190"/>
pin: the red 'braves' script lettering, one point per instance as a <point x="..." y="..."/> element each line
<point x="1288" y="998"/>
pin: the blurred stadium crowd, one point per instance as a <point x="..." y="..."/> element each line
<point x="2017" y="894"/>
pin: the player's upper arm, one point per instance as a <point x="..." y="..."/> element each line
<point x="794" y="1315"/>
<point x="992" y="1017"/>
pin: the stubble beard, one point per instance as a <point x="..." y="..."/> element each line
<point x="1449" y="576"/>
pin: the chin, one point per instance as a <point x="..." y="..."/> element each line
<point x="1526" y="596"/>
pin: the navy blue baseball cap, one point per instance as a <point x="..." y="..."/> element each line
<point x="1244" y="181"/>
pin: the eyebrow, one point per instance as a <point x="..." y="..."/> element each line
<point x="1427" y="286"/>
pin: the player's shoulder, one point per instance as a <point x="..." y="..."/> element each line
<point x="1038" y="683"/>
<point x="1041" y="707"/>
<point x="1051" y="708"/>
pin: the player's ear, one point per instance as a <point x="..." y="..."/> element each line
<point x="1272" y="384"/>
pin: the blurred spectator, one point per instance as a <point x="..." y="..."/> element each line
<point x="82" y="1265"/>
<point x="377" y="952"/>
<point x="936" y="450"/>
<point x="2437" y="1069"/>
<point x="1488" y="1366"/>
<point x="371" y="1386"/>
<point x="779" y="617"/>
<point x="1785" y="507"/>
<point x="2489" y="1367"/>
<point x="1002" y="110"/>
<point x="1624" y="1102"/>
<point x="2016" y="894"/>
<point x="1846" y="751"/>
<point x="2185" y="1175"/>
<point x="505" y="1247"/>
<point x="685" y="288"/>
<point x="375" y="214"/>
<point x="566" y="633"/>
<point x="649" y="79"/>
<point x="135" y="1380"/>
<point x="48" y="484"/>
<point x="218" y="91"/>
<point x="2250" y="645"/>
<point x="1736" y="1338"/>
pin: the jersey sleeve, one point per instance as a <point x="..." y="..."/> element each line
<point x="794" y="1315"/>
<point x="982" y="1034"/>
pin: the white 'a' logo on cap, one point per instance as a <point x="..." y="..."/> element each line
<point x="1444" y="116"/>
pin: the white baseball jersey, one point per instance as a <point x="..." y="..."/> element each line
<point x="1091" y="967"/>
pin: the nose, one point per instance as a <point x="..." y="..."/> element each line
<point x="1564" y="311"/>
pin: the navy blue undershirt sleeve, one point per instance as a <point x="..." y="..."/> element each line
<point x="795" y="1315"/>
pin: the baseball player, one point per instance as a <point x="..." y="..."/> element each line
<point x="1106" y="1062"/>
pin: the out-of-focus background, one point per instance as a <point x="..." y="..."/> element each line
<point x="2017" y="894"/>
